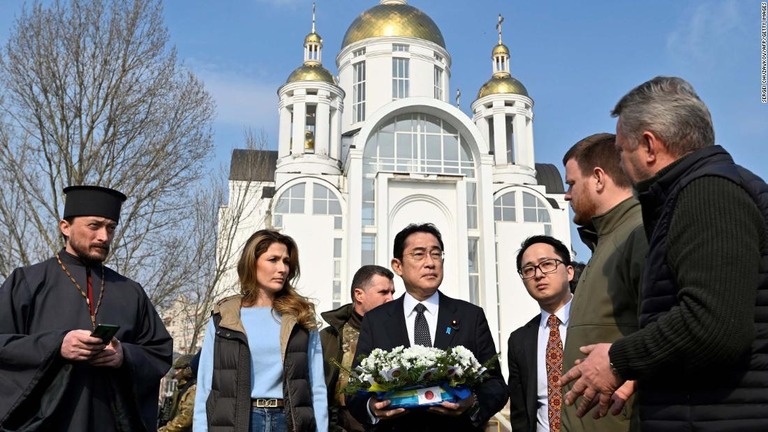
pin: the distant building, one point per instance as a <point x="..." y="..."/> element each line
<point x="380" y="146"/>
<point x="178" y="318"/>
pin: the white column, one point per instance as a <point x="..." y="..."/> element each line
<point x="335" y="152"/>
<point x="284" y="138"/>
<point x="322" y="125"/>
<point x="523" y="148"/>
<point x="487" y="248"/>
<point x="482" y="124"/>
<point x="299" y="123"/>
<point x="529" y="136"/>
<point x="499" y="136"/>
<point x="353" y="217"/>
<point x="523" y="145"/>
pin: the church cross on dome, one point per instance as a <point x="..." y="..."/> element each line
<point x="313" y="17"/>
<point x="498" y="27"/>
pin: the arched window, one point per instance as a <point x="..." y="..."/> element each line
<point x="322" y="201"/>
<point x="504" y="208"/>
<point x="522" y="207"/>
<point x="295" y="200"/>
<point x="291" y="201"/>
<point x="417" y="143"/>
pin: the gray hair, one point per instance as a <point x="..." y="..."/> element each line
<point x="670" y="108"/>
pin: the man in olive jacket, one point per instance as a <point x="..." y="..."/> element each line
<point x="605" y="303"/>
<point x="699" y="357"/>
<point x="372" y="286"/>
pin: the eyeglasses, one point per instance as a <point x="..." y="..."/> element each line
<point x="546" y="267"/>
<point x="421" y="255"/>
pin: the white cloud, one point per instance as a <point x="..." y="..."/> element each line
<point x="708" y="28"/>
<point x="243" y="99"/>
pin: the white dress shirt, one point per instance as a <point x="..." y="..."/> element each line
<point x="542" y="414"/>
<point x="432" y="304"/>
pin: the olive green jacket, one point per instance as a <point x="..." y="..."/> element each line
<point x="605" y="304"/>
<point x="182" y="421"/>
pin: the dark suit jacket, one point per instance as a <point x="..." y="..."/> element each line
<point x="521" y="358"/>
<point x="384" y="327"/>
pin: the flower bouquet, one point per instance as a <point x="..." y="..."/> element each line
<point x="418" y="376"/>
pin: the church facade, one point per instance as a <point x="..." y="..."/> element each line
<point x="364" y="153"/>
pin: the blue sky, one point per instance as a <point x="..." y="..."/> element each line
<point x="575" y="58"/>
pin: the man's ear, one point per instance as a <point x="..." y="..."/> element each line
<point x="397" y="266"/>
<point x="652" y="146"/>
<point x="358" y="295"/>
<point x="64" y="227"/>
<point x="569" y="269"/>
<point x="600" y="178"/>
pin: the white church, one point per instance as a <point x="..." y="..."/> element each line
<point x="380" y="145"/>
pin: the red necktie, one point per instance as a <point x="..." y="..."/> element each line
<point x="554" y="371"/>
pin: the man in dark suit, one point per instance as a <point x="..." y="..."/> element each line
<point x="544" y="264"/>
<point x="420" y="316"/>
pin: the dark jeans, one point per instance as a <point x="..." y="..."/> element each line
<point x="267" y="420"/>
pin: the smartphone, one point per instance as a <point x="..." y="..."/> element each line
<point x="105" y="332"/>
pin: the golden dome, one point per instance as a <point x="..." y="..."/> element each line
<point x="313" y="38"/>
<point x="500" y="49"/>
<point x="393" y="19"/>
<point x="502" y="84"/>
<point x="311" y="72"/>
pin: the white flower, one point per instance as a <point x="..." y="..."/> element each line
<point x="416" y="365"/>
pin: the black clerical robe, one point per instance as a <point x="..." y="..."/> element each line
<point x="39" y="390"/>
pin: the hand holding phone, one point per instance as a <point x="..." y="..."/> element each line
<point x="105" y="332"/>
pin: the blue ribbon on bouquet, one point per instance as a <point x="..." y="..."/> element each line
<point x="424" y="396"/>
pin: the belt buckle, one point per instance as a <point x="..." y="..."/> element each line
<point x="266" y="403"/>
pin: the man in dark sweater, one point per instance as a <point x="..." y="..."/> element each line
<point x="372" y="285"/>
<point x="700" y="356"/>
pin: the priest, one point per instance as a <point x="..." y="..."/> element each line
<point x="55" y="374"/>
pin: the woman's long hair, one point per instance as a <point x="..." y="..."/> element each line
<point x="287" y="300"/>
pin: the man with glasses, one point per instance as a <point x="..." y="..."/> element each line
<point x="606" y="301"/>
<point x="425" y="316"/>
<point x="535" y="350"/>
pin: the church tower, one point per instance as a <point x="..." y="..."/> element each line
<point x="391" y="52"/>
<point x="503" y="112"/>
<point x="311" y="106"/>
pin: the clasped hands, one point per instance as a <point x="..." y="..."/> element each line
<point x="79" y="345"/>
<point x="596" y="383"/>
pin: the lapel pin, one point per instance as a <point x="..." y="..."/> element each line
<point x="455" y="325"/>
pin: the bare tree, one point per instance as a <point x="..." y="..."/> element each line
<point x="227" y="211"/>
<point x="92" y="93"/>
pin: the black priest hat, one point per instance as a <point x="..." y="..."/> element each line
<point x="93" y="201"/>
